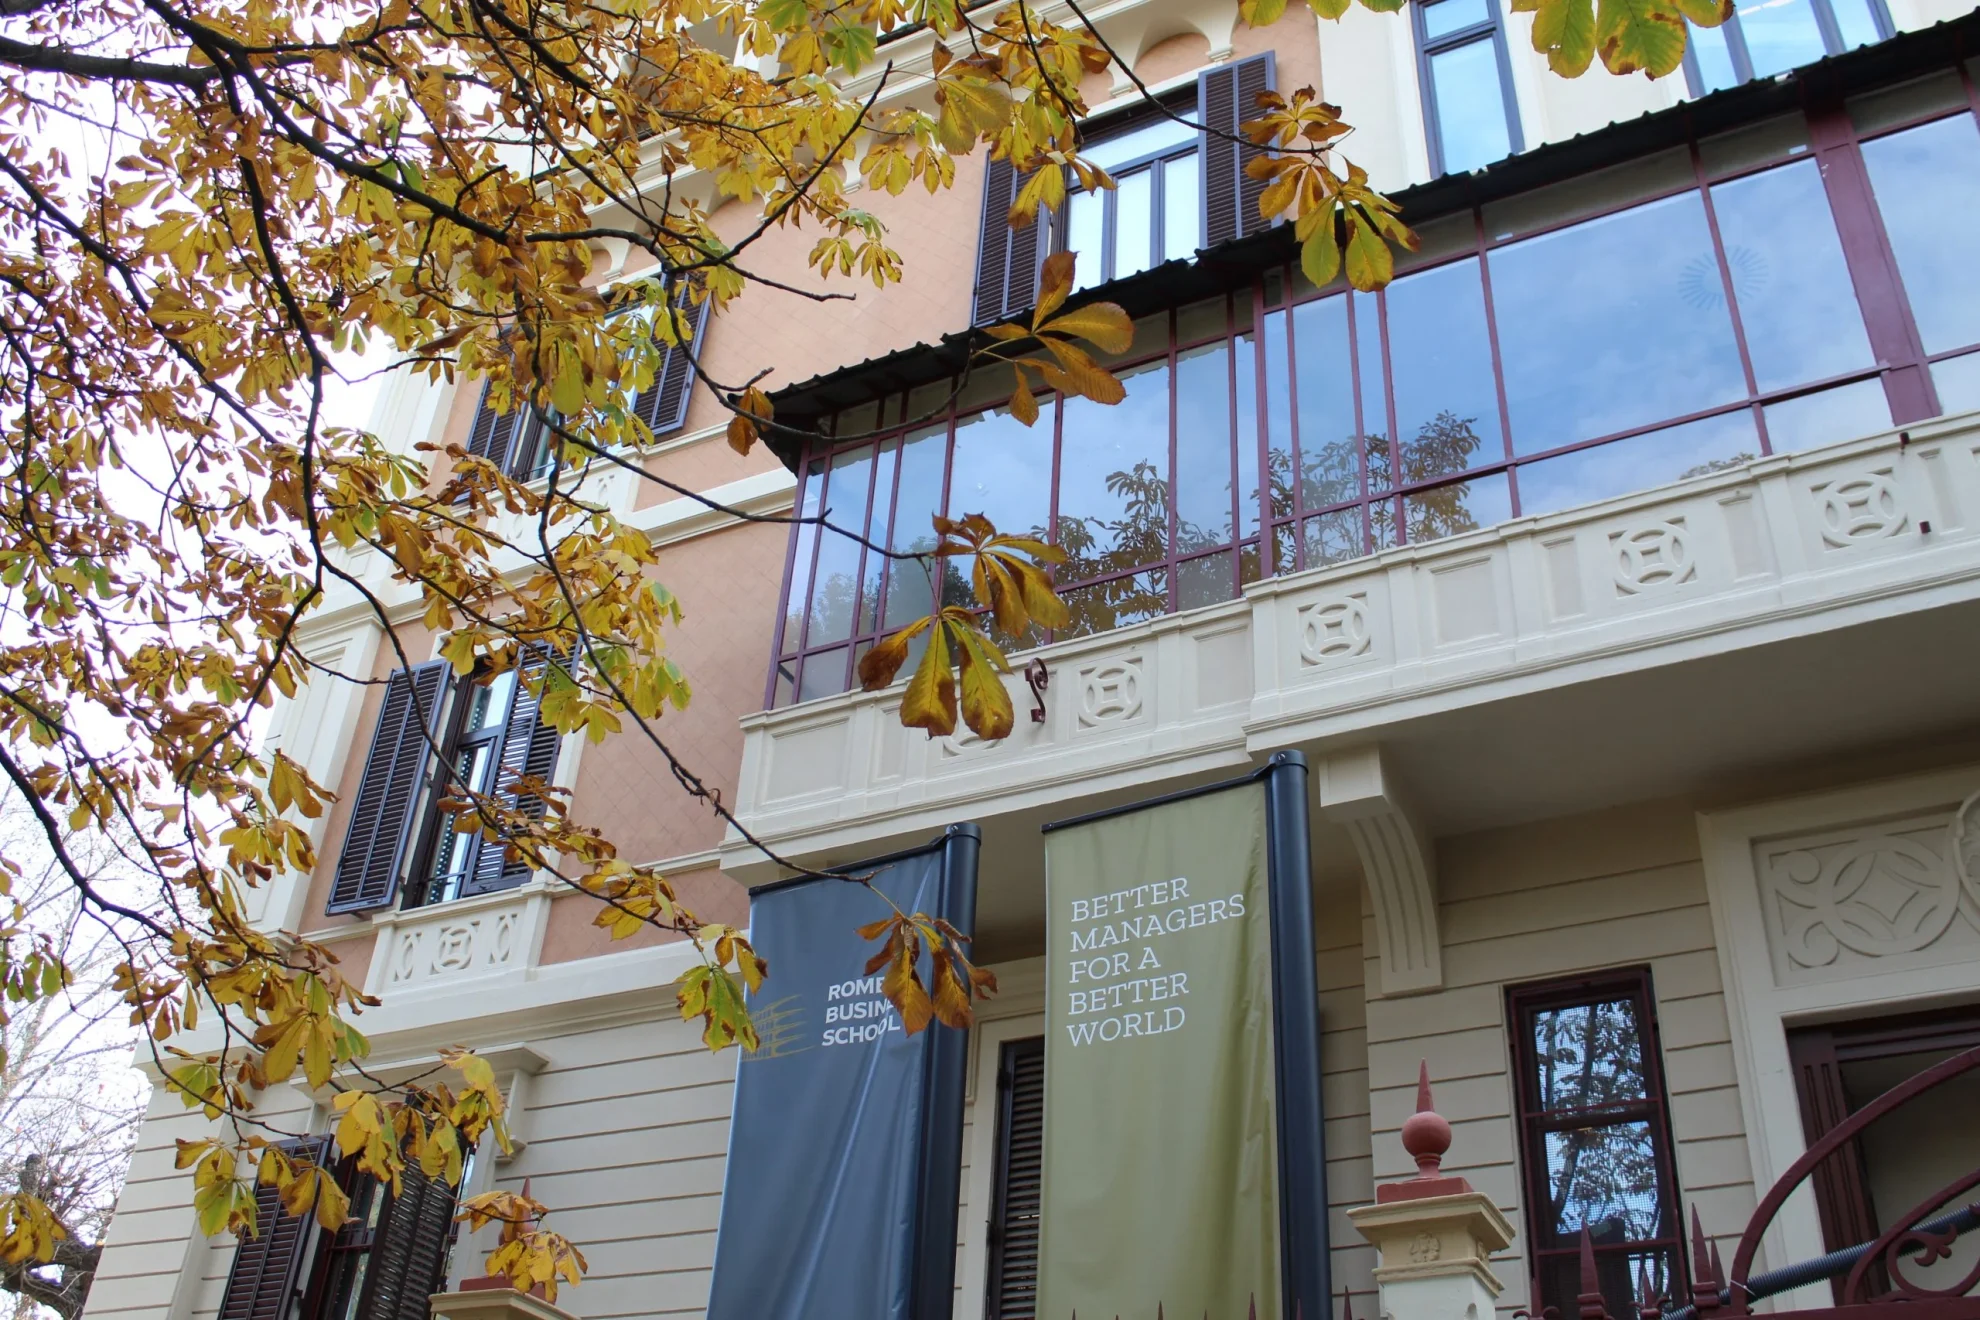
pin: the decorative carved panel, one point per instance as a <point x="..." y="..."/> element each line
<point x="1334" y="631"/>
<point x="447" y="947"/>
<point x="1652" y="558"/>
<point x="1880" y="896"/>
<point x="1110" y="693"/>
<point x="1865" y="507"/>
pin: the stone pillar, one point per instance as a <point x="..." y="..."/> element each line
<point x="477" y="1300"/>
<point x="1434" y="1233"/>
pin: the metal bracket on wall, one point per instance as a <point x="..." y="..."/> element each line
<point x="1038" y="678"/>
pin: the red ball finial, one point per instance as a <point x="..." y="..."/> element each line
<point x="1425" y="1134"/>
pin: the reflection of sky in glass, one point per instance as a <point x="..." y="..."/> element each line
<point x="1795" y="297"/>
<point x="1003" y="470"/>
<point x="834" y="589"/>
<point x="1330" y="471"/>
<point x="1471" y="107"/>
<point x="1113" y="477"/>
<point x="1958" y="382"/>
<point x="1843" y="413"/>
<point x="1440" y="359"/>
<point x="1856" y="23"/>
<point x="1640" y="463"/>
<point x="1715" y="64"/>
<point x="1588" y="1054"/>
<point x="1613" y="323"/>
<point x="1604" y="1178"/>
<point x="918" y="499"/>
<point x="1780" y="34"/>
<point x="1203" y="448"/>
<point x="1927" y="181"/>
<point x="1447" y="16"/>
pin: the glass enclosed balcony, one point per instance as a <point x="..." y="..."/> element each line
<point x="1651" y="322"/>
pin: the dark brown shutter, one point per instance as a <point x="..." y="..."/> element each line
<point x="267" y="1270"/>
<point x="1013" y="1273"/>
<point x="529" y="747"/>
<point x="408" y="1260"/>
<point x="376" y="841"/>
<point x="663" y="405"/>
<point x="1006" y="258"/>
<point x="508" y="440"/>
<point x="1227" y="96"/>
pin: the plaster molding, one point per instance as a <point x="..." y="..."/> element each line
<point x="1359" y="794"/>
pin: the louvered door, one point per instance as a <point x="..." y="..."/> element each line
<point x="663" y="405"/>
<point x="1227" y="96"/>
<point x="267" y="1273"/>
<point x="1006" y="258"/>
<point x="377" y="839"/>
<point x="1013" y="1269"/>
<point x="408" y="1261"/>
<point x="529" y="747"/>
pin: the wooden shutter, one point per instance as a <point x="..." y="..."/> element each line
<point x="408" y="1259"/>
<point x="508" y="440"/>
<point x="1006" y="258"/>
<point x="663" y="405"/>
<point x="529" y="747"/>
<point x="267" y="1270"/>
<point x="1013" y="1272"/>
<point x="377" y="839"/>
<point x="1227" y="96"/>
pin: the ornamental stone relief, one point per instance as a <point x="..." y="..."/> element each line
<point x="1334" y="631"/>
<point x="1866" y="507"/>
<point x="1888" y="895"/>
<point x="1652" y="558"/>
<point x="453" y="948"/>
<point x="1110" y="693"/>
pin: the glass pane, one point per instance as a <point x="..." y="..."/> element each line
<point x="1570" y="199"/>
<point x="807" y="541"/>
<point x="1158" y="135"/>
<point x="1462" y="506"/>
<point x="877" y="532"/>
<point x="1374" y="393"/>
<point x="835" y="588"/>
<point x="1616" y="1274"/>
<point x="1588" y="1055"/>
<point x="1182" y="208"/>
<point x="1847" y="412"/>
<point x="1003" y="470"/>
<point x="1202" y="319"/>
<point x="1714" y="57"/>
<point x="1206" y="581"/>
<point x="1756" y="144"/>
<point x="1856" y="22"/>
<point x="1116" y="604"/>
<point x="1333" y="537"/>
<point x="1114" y="479"/>
<point x="1440" y="360"/>
<point x="917" y="500"/>
<point x="786" y="690"/>
<point x="1086" y="228"/>
<point x="1203" y="448"/>
<point x="1278" y="413"/>
<point x="1134" y="222"/>
<point x="1244" y="351"/>
<point x="1927" y="181"/>
<point x="1612" y="324"/>
<point x="823" y="675"/>
<point x="1958" y="382"/>
<point x="1249" y="567"/>
<point x="1471" y="106"/>
<point x="857" y="420"/>
<point x="1447" y="16"/>
<point x="1639" y="463"/>
<point x="1604" y="1178"/>
<point x="1329" y="461"/>
<point x="1796" y="301"/>
<point x="1780" y="34"/>
<point x="1285" y="549"/>
<point x="488" y="704"/>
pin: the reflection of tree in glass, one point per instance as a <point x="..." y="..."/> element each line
<point x="1602" y="1175"/>
<point x="1710" y="466"/>
<point x="1097" y="545"/>
<point x="1331" y="474"/>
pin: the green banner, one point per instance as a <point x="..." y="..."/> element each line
<point x="1161" y="1168"/>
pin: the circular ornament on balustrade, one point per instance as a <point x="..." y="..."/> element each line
<point x="1966" y="845"/>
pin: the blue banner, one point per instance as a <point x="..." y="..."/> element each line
<point x="845" y="1147"/>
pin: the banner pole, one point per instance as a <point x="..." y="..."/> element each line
<point x="947" y="1064"/>
<point x="1305" y="1257"/>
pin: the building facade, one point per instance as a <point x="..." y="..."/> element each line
<point x="1617" y="571"/>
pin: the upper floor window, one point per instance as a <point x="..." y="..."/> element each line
<point x="1659" y="320"/>
<point x="484" y="734"/>
<point x="389" y="1257"/>
<point x="1595" y="1139"/>
<point x="1180" y="186"/>
<point x="1467" y="84"/>
<point x="518" y="441"/>
<point x="1766" y="37"/>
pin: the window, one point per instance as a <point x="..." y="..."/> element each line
<point x="488" y="735"/>
<point x="1595" y="1139"/>
<point x="1013" y="1268"/>
<point x="389" y="1257"/>
<point x="1654" y="321"/>
<point x="1768" y="37"/>
<point x="517" y="441"/>
<point x="1180" y="186"/>
<point x="1468" y="104"/>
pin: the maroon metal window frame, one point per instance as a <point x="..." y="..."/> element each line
<point x="1900" y="363"/>
<point x="1652" y="1107"/>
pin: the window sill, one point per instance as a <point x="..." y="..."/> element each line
<point x="459" y="907"/>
